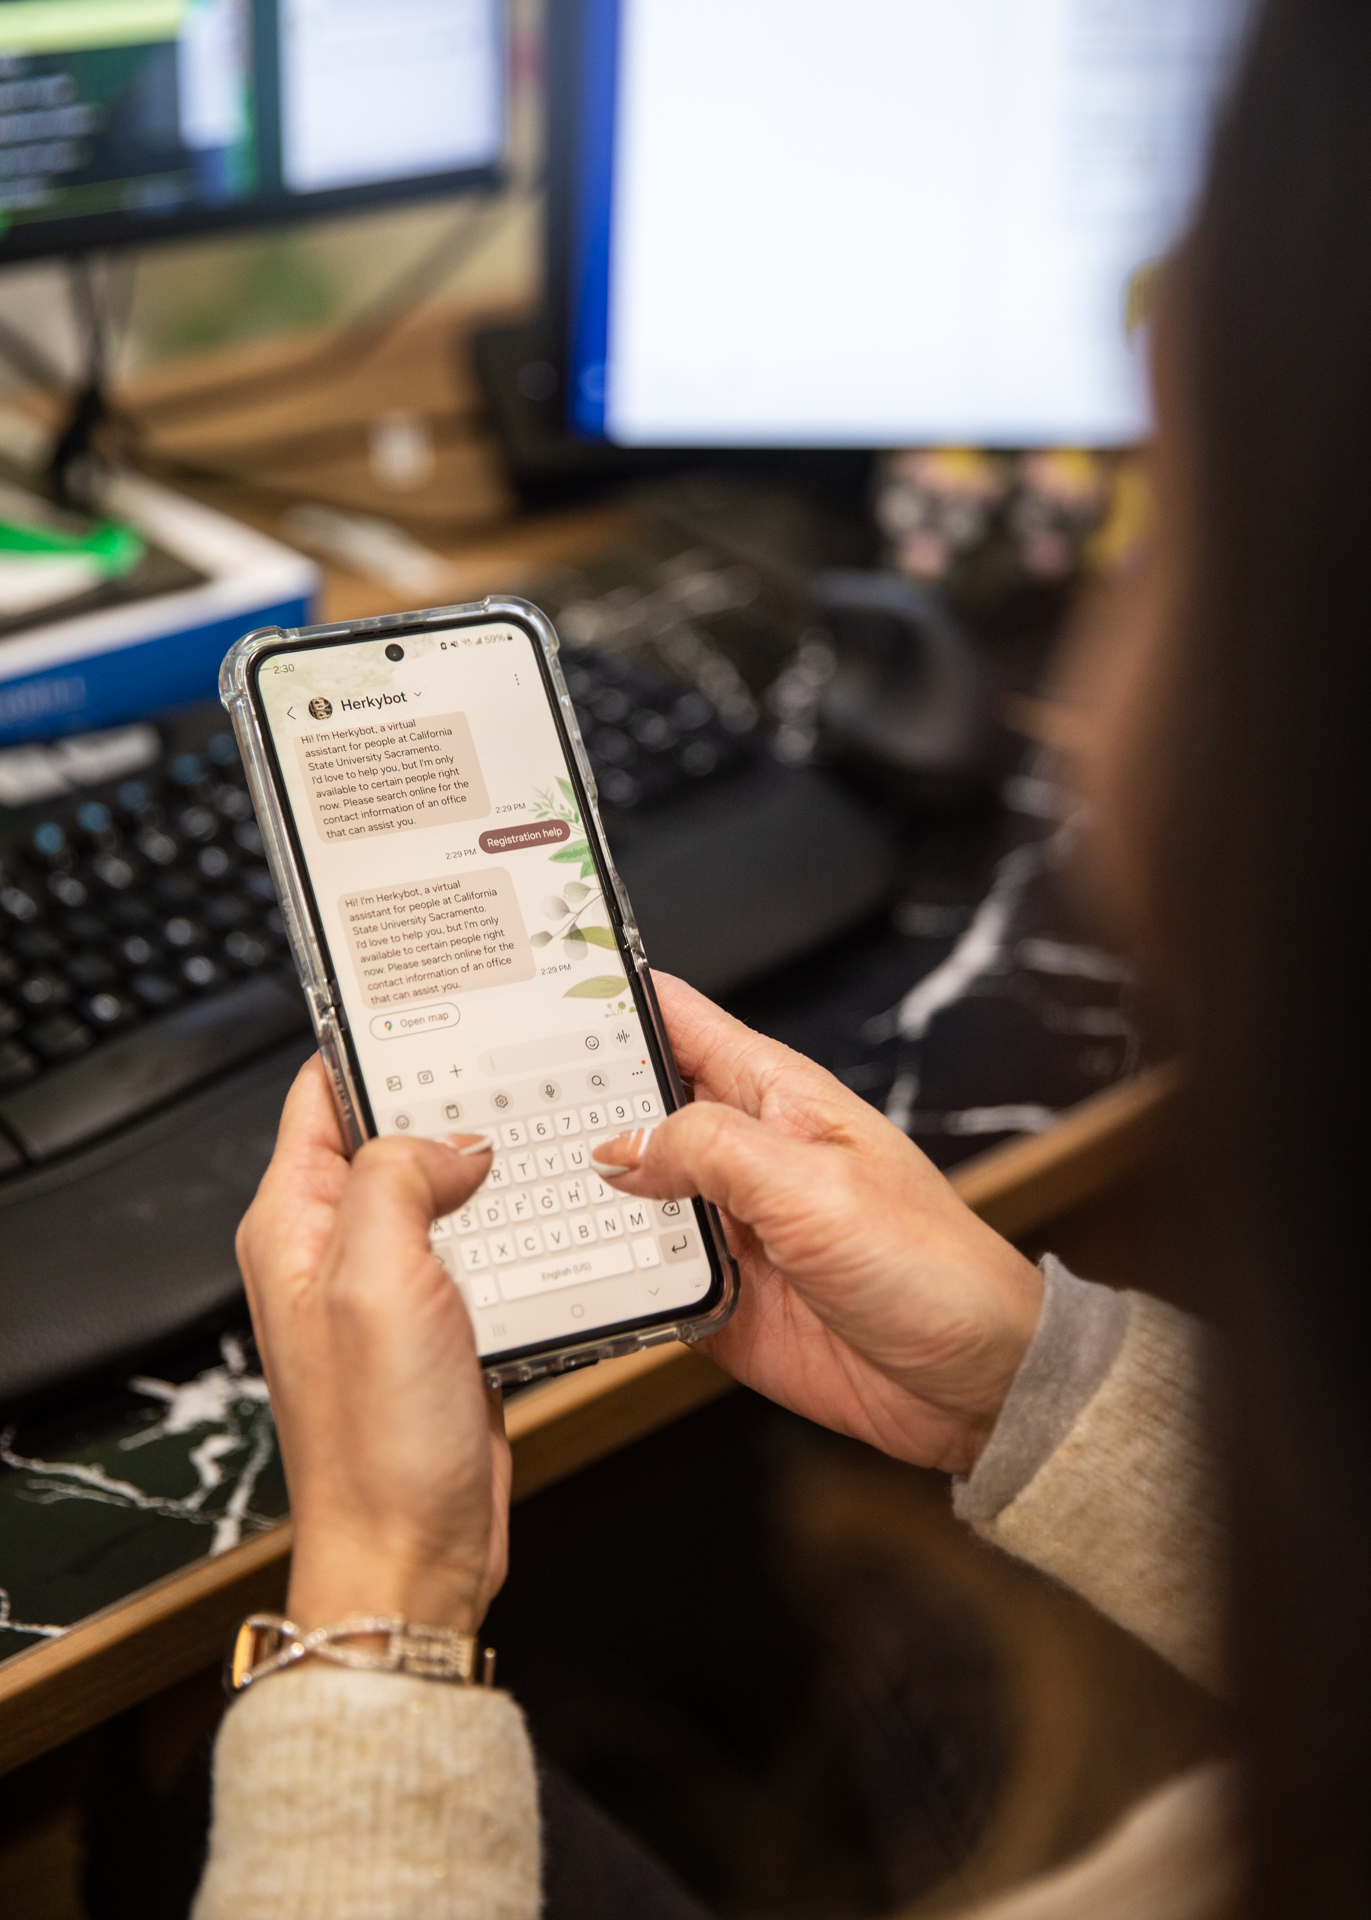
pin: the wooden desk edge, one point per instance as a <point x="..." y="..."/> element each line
<point x="131" y="1650"/>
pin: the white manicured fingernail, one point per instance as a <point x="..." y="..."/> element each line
<point x="470" y="1143"/>
<point x="637" y="1146"/>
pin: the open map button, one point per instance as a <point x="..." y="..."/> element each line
<point x="394" y="1026"/>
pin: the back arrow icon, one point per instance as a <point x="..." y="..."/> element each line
<point x="290" y="713"/>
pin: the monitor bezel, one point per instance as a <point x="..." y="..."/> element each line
<point x="85" y="234"/>
<point x="109" y="233"/>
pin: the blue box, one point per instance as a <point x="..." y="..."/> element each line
<point x="98" y="669"/>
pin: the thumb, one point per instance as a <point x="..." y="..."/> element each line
<point x="397" y="1187"/>
<point x="764" y="1179"/>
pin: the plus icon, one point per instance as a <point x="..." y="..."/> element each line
<point x="456" y="1072"/>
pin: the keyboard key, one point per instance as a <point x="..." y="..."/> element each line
<point x="582" y="1229"/>
<point x="555" y="1271"/>
<point x="530" y="1242"/>
<point x="557" y="1236"/>
<point x="541" y="1129"/>
<point x="521" y="1205"/>
<point x="502" y="1248"/>
<point x="576" y="1154"/>
<point x="684" y="1244"/>
<point x="484" y="1291"/>
<point x="646" y="1254"/>
<point x="545" y="1200"/>
<point x="669" y="1211"/>
<point x="17" y="1064"/>
<point x="59" y="1037"/>
<point x="593" y="1119"/>
<point x="573" y="1193"/>
<point x="567" y="1122"/>
<point x="492" y="1210"/>
<point x="247" y="949"/>
<point x="620" y="1113"/>
<point x="464" y="1220"/>
<point x="44" y="991"/>
<point x="646" y="1106"/>
<point x="441" y="1228"/>
<point x="549" y="1161"/>
<point x="474" y="1256"/>
<point x="638" y="1216"/>
<point x="523" y="1166"/>
<point x="514" y="1133"/>
<point x="600" y="1194"/>
<point x="155" y="990"/>
<point x="610" y="1223"/>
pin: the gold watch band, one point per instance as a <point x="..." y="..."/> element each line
<point x="268" y="1643"/>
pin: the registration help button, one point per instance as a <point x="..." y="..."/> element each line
<point x="394" y="1026"/>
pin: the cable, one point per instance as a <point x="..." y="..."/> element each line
<point x="92" y="409"/>
<point x="29" y="360"/>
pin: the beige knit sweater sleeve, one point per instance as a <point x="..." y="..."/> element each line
<point x="363" y="1796"/>
<point x="1125" y="1509"/>
<point x="352" y="1796"/>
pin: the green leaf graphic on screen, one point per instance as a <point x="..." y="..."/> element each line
<point x="603" y="986"/>
<point x="567" y="909"/>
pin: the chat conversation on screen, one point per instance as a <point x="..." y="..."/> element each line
<point x="385" y="775"/>
<point x="450" y="935"/>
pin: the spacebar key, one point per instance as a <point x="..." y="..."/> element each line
<point x="155" y="1063"/>
<point x="564" y="1270"/>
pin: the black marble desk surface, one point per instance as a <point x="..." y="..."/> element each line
<point x="972" y="1013"/>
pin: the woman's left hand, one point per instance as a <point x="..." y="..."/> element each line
<point x="394" y="1450"/>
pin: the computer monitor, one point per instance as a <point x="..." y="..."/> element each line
<point x="124" y="121"/>
<point x="882" y="223"/>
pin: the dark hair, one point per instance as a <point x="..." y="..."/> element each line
<point x="1266" y="911"/>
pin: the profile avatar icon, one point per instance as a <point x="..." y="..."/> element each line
<point x="321" y="708"/>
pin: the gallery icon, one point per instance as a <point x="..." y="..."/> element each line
<point x="320" y="708"/>
<point x="392" y="1083"/>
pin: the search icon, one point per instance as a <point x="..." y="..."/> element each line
<point x="598" y="1080"/>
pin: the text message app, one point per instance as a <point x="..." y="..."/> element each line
<point x="477" y="965"/>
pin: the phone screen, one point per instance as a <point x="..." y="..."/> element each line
<point x="468" y="929"/>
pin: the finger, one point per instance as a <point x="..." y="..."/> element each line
<point x="304" y="1180"/>
<point x="762" y="1177"/>
<point x="729" y="1062"/>
<point x="398" y="1187"/>
<point x="309" y="1135"/>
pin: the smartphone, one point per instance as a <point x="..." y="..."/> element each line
<point x="471" y="961"/>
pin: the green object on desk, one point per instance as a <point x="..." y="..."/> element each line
<point x="112" y="549"/>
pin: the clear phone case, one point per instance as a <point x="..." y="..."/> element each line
<point x="235" y="690"/>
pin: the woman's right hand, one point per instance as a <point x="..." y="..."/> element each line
<point x="873" y="1300"/>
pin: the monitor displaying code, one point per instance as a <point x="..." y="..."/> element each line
<point x="119" y="114"/>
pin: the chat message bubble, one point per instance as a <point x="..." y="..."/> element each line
<point x="430" y="937"/>
<point x="536" y="833"/>
<point x="385" y="775"/>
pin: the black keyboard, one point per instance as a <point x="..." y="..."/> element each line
<point x="140" y="944"/>
<point x="150" y="1021"/>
